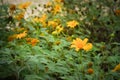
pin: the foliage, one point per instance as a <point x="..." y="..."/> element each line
<point x="68" y="40"/>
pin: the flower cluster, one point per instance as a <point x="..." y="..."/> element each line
<point x="17" y="36"/>
<point x="61" y="36"/>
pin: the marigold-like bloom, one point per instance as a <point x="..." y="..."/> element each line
<point x="72" y="23"/>
<point x="32" y="41"/>
<point x="90" y="71"/>
<point x="117" y="68"/>
<point x="56" y="9"/>
<point x="21" y="35"/>
<point x="24" y="5"/>
<point x="20" y="16"/>
<point x="43" y="18"/>
<point x="81" y="44"/>
<point x="117" y="12"/>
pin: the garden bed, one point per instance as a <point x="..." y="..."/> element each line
<point x="60" y="40"/>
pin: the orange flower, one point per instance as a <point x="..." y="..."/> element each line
<point x="21" y="35"/>
<point x="90" y="71"/>
<point x="81" y="44"/>
<point x="56" y="9"/>
<point x="24" y="5"/>
<point x="117" y="67"/>
<point x="117" y="12"/>
<point x="19" y="16"/>
<point x="43" y="18"/>
<point x="72" y="23"/>
<point x="32" y="41"/>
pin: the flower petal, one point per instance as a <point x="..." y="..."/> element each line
<point x="87" y="47"/>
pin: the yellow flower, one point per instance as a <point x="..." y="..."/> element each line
<point x="52" y="23"/>
<point x="36" y="19"/>
<point x="117" y="68"/>
<point x="44" y="24"/>
<point x="90" y="71"/>
<point x="19" y="16"/>
<point x="42" y="20"/>
<point x="32" y="41"/>
<point x="87" y="47"/>
<point x="58" y="30"/>
<point x="24" y="5"/>
<point x="21" y="35"/>
<point x="56" y="9"/>
<point x="18" y="36"/>
<point x="81" y="44"/>
<point x="72" y="23"/>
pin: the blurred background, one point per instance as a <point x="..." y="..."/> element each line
<point x="20" y="1"/>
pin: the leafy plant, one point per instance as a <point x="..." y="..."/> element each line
<point x="68" y="40"/>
